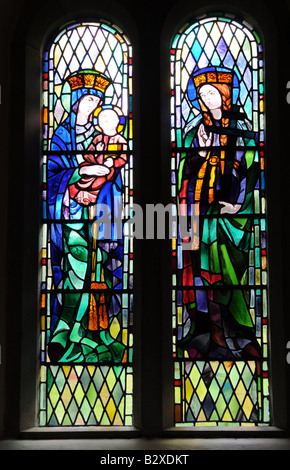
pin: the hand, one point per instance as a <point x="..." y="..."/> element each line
<point x="109" y="162"/>
<point x="85" y="198"/>
<point x="229" y="208"/>
<point x="94" y="170"/>
<point x="204" y="140"/>
<point x="100" y="146"/>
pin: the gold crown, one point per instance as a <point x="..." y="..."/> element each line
<point x="213" y="77"/>
<point x="88" y="80"/>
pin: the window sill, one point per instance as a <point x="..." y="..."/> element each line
<point x="79" y="432"/>
<point x="129" y="444"/>
<point x="226" y="431"/>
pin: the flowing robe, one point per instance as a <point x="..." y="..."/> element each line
<point x="227" y="173"/>
<point x="68" y="233"/>
<point x="71" y="339"/>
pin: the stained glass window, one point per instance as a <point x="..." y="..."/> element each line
<point x="220" y="303"/>
<point x="86" y="253"/>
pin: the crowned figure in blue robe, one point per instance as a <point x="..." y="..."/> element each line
<point x="83" y="265"/>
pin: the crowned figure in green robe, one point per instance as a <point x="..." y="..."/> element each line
<point x="217" y="176"/>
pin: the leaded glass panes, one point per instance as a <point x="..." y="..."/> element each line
<point x="86" y="252"/>
<point x="220" y="280"/>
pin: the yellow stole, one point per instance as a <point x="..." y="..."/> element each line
<point x="212" y="161"/>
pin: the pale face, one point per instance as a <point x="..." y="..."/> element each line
<point x="108" y="121"/>
<point x="88" y="104"/>
<point x="211" y="97"/>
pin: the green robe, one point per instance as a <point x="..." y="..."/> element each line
<point x="225" y="240"/>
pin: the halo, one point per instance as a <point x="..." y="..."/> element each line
<point x="122" y="120"/>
